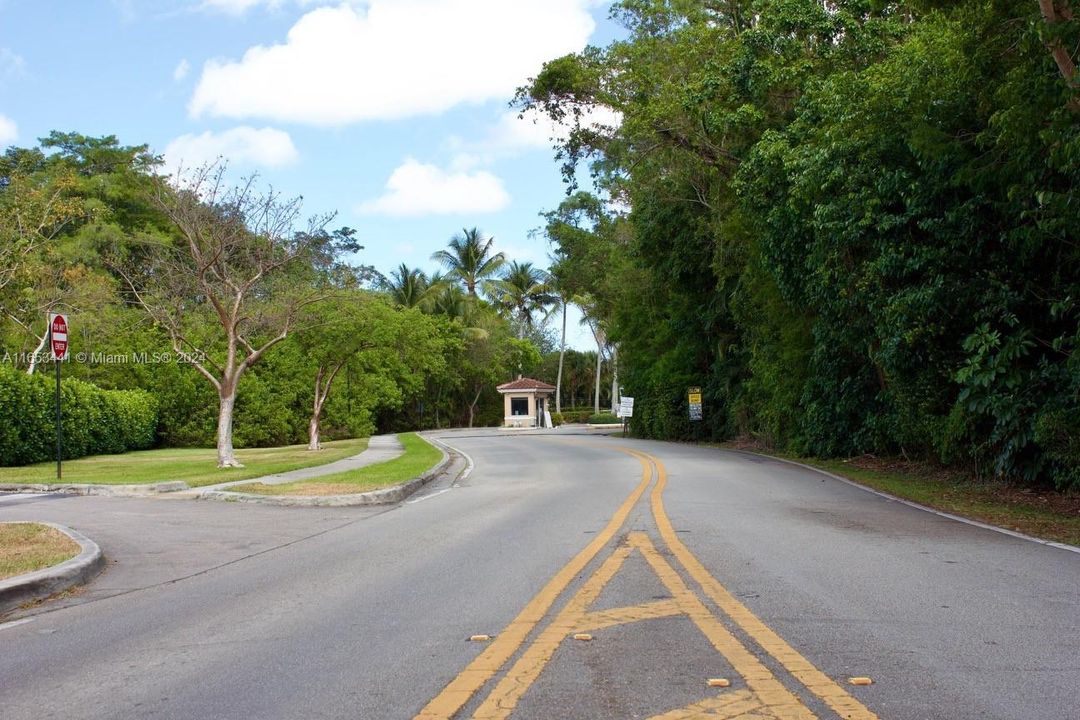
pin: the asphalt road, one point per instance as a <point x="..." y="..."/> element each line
<point x="681" y="563"/>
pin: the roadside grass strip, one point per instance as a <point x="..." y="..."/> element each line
<point x="419" y="456"/>
<point x="195" y="466"/>
<point x="1047" y="515"/>
<point x="26" y="547"/>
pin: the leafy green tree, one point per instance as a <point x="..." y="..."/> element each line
<point x="392" y="349"/>
<point x="224" y="293"/>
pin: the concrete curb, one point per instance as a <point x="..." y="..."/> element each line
<point x="382" y="496"/>
<point x="105" y="490"/>
<point x="469" y="464"/>
<point x="40" y="584"/>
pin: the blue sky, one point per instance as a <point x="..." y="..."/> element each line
<point x="393" y="113"/>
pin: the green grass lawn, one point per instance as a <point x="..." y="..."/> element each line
<point x="419" y="457"/>
<point x="195" y="466"/>
<point x="1047" y="515"/>
<point x="26" y="547"/>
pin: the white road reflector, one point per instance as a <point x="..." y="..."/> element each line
<point x="583" y="636"/>
<point x="719" y="682"/>
<point x="479" y="638"/>
<point x="860" y="681"/>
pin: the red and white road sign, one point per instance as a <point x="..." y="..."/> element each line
<point x="58" y="330"/>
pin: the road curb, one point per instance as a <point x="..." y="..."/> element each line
<point x="469" y="464"/>
<point x="382" y="496"/>
<point x="41" y="584"/>
<point x="913" y="504"/>
<point x="103" y="490"/>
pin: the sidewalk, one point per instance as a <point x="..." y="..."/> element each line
<point x="380" y="449"/>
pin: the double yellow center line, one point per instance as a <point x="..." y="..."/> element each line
<point x="764" y="687"/>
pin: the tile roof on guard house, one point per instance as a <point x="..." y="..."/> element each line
<point x="524" y="383"/>
<point x="525" y="403"/>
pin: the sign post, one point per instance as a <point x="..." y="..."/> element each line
<point x="694" y="397"/>
<point x="626" y="411"/>
<point x="58" y="332"/>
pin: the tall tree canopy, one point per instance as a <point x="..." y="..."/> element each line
<point x="854" y="224"/>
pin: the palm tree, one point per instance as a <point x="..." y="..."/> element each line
<point x="563" y="301"/>
<point x="559" y="285"/>
<point x="469" y="259"/>
<point x="522" y="292"/>
<point x="591" y="318"/>
<point x="452" y="302"/>
<point x="409" y="287"/>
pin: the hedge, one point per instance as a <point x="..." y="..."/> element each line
<point x="576" y="416"/>
<point x="95" y="421"/>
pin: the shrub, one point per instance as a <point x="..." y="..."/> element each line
<point x="604" y="419"/>
<point x="95" y="421"/>
<point x="576" y="416"/>
<point x="556" y="419"/>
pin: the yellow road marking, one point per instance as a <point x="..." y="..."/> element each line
<point x="767" y="697"/>
<point x="802" y="669"/>
<point x="730" y="706"/>
<point x="601" y="619"/>
<point x="770" y="693"/>
<point x="444" y="705"/>
<point x="758" y="678"/>
<point x="502" y="700"/>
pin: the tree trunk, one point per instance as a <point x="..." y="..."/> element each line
<point x="227" y="401"/>
<point x="562" y="355"/>
<point x="37" y="352"/>
<point x="316" y="411"/>
<point x="1053" y="12"/>
<point x="313" y="432"/>
<point x="614" y="380"/>
<point x="322" y="391"/>
<point x="472" y="405"/>
<point x="596" y="396"/>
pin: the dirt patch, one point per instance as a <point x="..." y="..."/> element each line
<point x="301" y="489"/>
<point x="26" y="547"/>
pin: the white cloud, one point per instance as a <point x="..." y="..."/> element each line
<point x="416" y="188"/>
<point x="536" y="130"/>
<point x="515" y="133"/>
<point x="11" y="64"/>
<point x="241" y="145"/>
<point x="9" y="131"/>
<point x="392" y="59"/>
<point x="236" y="7"/>
<point x="533" y="252"/>
<point x="182" y="69"/>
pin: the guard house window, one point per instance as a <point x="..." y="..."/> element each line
<point x="519" y="406"/>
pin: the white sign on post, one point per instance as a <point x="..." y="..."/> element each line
<point x="626" y="407"/>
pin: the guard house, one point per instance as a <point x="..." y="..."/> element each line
<point x="525" y="402"/>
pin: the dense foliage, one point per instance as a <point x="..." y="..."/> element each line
<point x="854" y="224"/>
<point x="95" y="421"/>
<point x="183" y="300"/>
